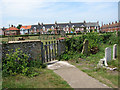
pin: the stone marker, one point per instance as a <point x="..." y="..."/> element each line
<point x="108" y="54"/>
<point x="106" y="58"/>
<point x="114" y="51"/>
<point x="85" y="47"/>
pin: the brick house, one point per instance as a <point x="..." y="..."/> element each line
<point x="25" y="30"/>
<point x="66" y="27"/>
<point x="11" y="31"/>
<point x="111" y="27"/>
<point x="1" y="31"/>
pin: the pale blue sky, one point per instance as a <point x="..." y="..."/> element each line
<point x="31" y="12"/>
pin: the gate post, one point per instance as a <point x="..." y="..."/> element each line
<point x="58" y="48"/>
<point x="42" y="52"/>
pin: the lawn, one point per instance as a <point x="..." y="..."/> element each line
<point x="88" y="64"/>
<point x="43" y="38"/>
<point x="0" y="76"/>
<point x="46" y="79"/>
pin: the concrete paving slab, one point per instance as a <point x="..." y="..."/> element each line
<point x="74" y="77"/>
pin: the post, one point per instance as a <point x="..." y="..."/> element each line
<point x="114" y="51"/>
<point x="49" y="52"/>
<point x="52" y="50"/>
<point x="46" y="51"/>
<point x="58" y="48"/>
<point x="42" y="52"/>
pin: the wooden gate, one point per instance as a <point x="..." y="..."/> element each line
<point x="50" y="50"/>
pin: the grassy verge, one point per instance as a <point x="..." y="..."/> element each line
<point x="0" y="76"/>
<point x="47" y="79"/>
<point x="88" y="64"/>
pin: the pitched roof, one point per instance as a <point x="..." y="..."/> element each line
<point x="111" y="25"/>
<point x="12" y="28"/>
<point x="26" y="27"/>
<point x="91" y="24"/>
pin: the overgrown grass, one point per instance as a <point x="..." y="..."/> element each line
<point x="0" y="75"/>
<point x="47" y="79"/>
<point x="88" y="64"/>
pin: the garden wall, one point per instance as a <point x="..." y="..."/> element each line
<point x="31" y="48"/>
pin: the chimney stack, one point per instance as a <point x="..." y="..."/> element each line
<point x="55" y="22"/>
<point x="42" y="23"/>
<point x="38" y="23"/>
<point x="11" y="25"/>
<point x="84" y="21"/>
<point x="115" y="21"/>
<point x="112" y="23"/>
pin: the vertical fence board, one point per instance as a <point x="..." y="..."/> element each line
<point x="42" y="53"/>
<point x="46" y="51"/>
<point x="49" y="52"/>
<point x="52" y="51"/>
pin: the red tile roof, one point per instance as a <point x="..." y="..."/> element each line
<point x="111" y="25"/>
<point x="12" y="28"/>
<point x="26" y="27"/>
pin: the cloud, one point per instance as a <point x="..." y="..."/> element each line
<point x="48" y="11"/>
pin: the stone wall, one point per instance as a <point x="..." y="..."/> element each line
<point x="31" y="48"/>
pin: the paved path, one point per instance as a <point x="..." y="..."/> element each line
<point x="74" y="77"/>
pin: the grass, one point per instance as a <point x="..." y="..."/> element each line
<point x="47" y="79"/>
<point x="88" y="64"/>
<point x="0" y="75"/>
<point x="43" y="38"/>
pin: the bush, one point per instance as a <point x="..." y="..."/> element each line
<point x="113" y="39"/>
<point x="18" y="62"/>
<point x="15" y="63"/>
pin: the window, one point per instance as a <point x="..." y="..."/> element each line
<point x="73" y="26"/>
<point x="34" y="29"/>
<point x="52" y="28"/>
<point x="43" y="28"/>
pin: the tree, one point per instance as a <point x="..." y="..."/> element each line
<point x="73" y="30"/>
<point x="91" y="30"/>
<point x="50" y="31"/>
<point x="95" y="30"/>
<point x="85" y="30"/>
<point x="19" y="26"/>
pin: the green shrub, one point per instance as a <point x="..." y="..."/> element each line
<point x="18" y="62"/>
<point x="15" y="63"/>
<point x="113" y="39"/>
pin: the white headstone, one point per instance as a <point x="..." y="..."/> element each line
<point x="108" y="54"/>
<point x="114" y="51"/>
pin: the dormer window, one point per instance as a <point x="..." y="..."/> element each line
<point x="34" y="28"/>
<point x="43" y="28"/>
<point x="73" y="26"/>
<point x="52" y="28"/>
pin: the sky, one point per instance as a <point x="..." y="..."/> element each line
<point x="30" y="12"/>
